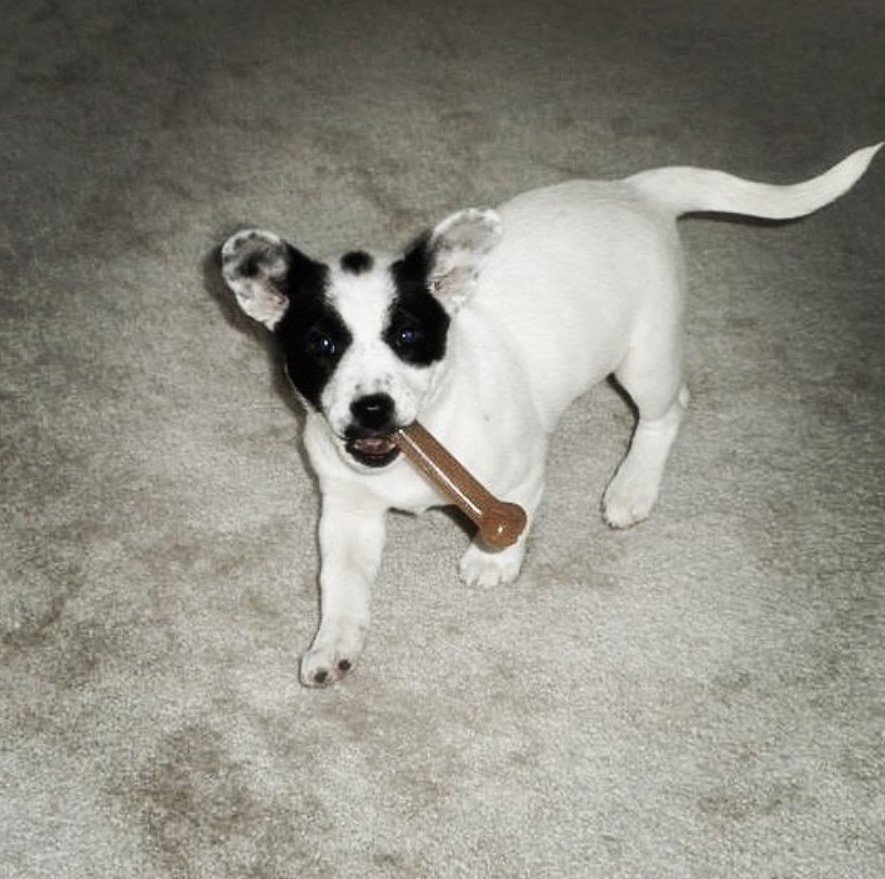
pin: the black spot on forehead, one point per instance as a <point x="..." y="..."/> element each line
<point x="415" y="307"/>
<point x="309" y="315"/>
<point x="357" y="261"/>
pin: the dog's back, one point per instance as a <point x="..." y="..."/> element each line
<point x="586" y="270"/>
<point x="570" y="281"/>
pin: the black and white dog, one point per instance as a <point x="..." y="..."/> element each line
<point x="486" y="329"/>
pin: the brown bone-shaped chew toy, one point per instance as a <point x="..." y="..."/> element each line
<point x="500" y="523"/>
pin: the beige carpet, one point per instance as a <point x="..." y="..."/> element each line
<point x="702" y="696"/>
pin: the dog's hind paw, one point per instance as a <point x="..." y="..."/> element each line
<point x="484" y="569"/>
<point x="627" y="502"/>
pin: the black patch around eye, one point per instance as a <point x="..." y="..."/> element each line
<point x="414" y="310"/>
<point x="412" y="271"/>
<point x="357" y="261"/>
<point x="310" y="318"/>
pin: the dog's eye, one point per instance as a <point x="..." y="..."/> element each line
<point x="407" y="337"/>
<point x="321" y="345"/>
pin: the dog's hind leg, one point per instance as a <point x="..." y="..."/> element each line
<point x="634" y="489"/>
<point x="651" y="374"/>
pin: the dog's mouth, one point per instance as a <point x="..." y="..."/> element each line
<point x="373" y="451"/>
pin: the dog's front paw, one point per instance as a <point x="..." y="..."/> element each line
<point x="481" y="568"/>
<point x="332" y="655"/>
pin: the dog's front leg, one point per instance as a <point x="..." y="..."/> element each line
<point x="485" y="567"/>
<point x="351" y="541"/>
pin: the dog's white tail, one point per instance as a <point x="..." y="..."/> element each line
<point x="684" y="190"/>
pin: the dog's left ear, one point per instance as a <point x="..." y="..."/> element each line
<point x="458" y="247"/>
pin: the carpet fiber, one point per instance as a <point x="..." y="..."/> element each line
<point x="701" y="696"/>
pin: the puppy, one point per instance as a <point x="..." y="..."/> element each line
<point x="486" y="328"/>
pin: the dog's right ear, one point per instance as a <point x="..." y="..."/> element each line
<point x="261" y="268"/>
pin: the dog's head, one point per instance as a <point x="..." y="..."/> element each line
<point x="363" y="337"/>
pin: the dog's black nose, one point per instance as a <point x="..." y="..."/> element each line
<point x="373" y="412"/>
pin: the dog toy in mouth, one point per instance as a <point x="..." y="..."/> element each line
<point x="500" y="523"/>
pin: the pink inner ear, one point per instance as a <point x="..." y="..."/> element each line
<point x="454" y="285"/>
<point x="276" y="298"/>
<point x="259" y="297"/>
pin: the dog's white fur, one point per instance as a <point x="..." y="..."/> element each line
<point x="551" y="293"/>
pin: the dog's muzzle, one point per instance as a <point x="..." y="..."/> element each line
<point x="369" y="439"/>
